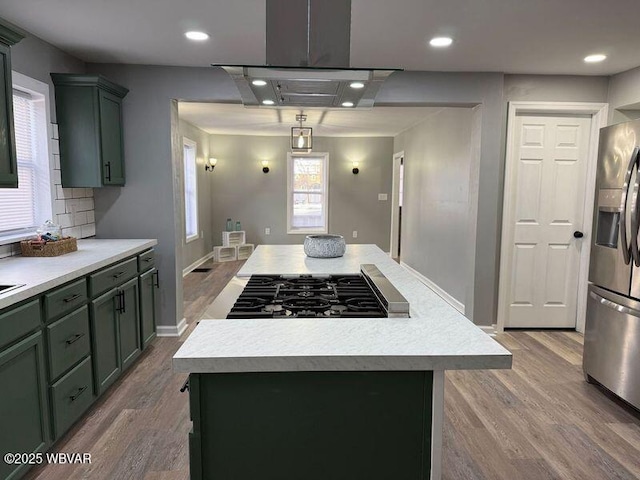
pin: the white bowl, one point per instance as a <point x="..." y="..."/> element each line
<point x="324" y="246"/>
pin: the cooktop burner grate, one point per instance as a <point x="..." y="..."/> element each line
<point x="334" y="296"/>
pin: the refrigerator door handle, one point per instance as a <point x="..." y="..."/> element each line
<point x="626" y="249"/>
<point x="635" y="221"/>
<point x="615" y="306"/>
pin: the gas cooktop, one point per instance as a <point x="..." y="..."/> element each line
<point x="329" y="296"/>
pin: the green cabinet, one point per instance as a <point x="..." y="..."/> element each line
<point x="129" y="323"/>
<point x="89" y="112"/>
<point x="23" y="403"/>
<point x="148" y="308"/>
<point x="8" y="157"/>
<point x="104" y="340"/>
<point x="115" y="329"/>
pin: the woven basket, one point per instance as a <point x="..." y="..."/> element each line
<point x="49" y="249"/>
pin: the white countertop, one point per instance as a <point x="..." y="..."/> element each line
<point x="39" y="274"/>
<point x="436" y="337"/>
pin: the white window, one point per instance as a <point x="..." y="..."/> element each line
<point x="24" y="208"/>
<point x="307" y="193"/>
<point x="190" y="189"/>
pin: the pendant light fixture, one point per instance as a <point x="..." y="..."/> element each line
<point x="301" y="137"/>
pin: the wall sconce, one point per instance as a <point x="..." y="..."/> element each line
<point x="211" y="164"/>
<point x="355" y="168"/>
<point x="265" y="166"/>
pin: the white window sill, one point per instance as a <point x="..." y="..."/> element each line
<point x="307" y="232"/>
<point x="16" y="237"/>
<point x="192" y="238"/>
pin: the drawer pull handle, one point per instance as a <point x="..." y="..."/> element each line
<point x="72" y="298"/>
<point x="118" y="275"/>
<point x="75" y="338"/>
<point x="148" y="259"/>
<point x="185" y="387"/>
<point x="77" y="394"/>
<point x="156" y="275"/>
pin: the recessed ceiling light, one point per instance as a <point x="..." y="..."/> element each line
<point x="268" y="102"/>
<point x="259" y="83"/>
<point x="347" y="104"/>
<point x="356" y="85"/>
<point x="598" y="57"/>
<point x="440" y="41"/>
<point x="193" y="35"/>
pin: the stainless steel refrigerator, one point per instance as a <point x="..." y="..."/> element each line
<point x="612" y="333"/>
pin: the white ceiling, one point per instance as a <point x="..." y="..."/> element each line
<point x="513" y="36"/>
<point x="232" y="119"/>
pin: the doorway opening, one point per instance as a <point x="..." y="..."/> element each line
<point x="396" y="206"/>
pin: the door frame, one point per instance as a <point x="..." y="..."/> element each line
<point x="395" y="204"/>
<point x="598" y="112"/>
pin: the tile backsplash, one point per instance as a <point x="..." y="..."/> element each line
<point x="73" y="208"/>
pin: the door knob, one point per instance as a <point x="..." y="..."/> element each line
<point x="578" y="234"/>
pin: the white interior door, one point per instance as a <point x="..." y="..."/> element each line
<point x="548" y="176"/>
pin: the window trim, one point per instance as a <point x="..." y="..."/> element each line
<point x="187" y="142"/>
<point x="39" y="89"/>
<point x="325" y="194"/>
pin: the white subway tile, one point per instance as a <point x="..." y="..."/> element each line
<point x="80" y="218"/>
<point x="55" y="146"/>
<point x="65" y="220"/>
<point x="63" y="193"/>
<point x="72" y="205"/>
<point x="91" y="216"/>
<point x="56" y="161"/>
<point x="72" y="232"/>
<point x="59" y="206"/>
<point x="85" y="204"/>
<point x="78" y="193"/>
<point x="88" y="230"/>
<point x="89" y="192"/>
<point x="54" y="130"/>
<point x="57" y="179"/>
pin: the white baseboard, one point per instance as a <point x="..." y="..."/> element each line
<point x="488" y="329"/>
<point x="172" y="330"/>
<point x="196" y="264"/>
<point x="433" y="286"/>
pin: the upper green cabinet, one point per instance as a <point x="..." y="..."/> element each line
<point x="89" y="111"/>
<point x="8" y="159"/>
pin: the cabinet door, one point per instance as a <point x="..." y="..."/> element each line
<point x="8" y="165"/>
<point x="129" y="323"/>
<point x="111" y="140"/>
<point x="104" y="340"/>
<point x="148" y="306"/>
<point x="23" y="403"/>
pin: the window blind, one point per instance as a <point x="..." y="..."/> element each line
<point x="18" y="206"/>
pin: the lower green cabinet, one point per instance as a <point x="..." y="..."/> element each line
<point x="71" y="396"/>
<point x="23" y="402"/>
<point x="104" y="340"/>
<point x="129" y="323"/>
<point x="148" y="284"/>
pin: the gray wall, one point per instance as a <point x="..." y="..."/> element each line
<point x="624" y="96"/>
<point x="439" y="157"/>
<point x="198" y="248"/>
<point x="37" y="59"/>
<point x="241" y="190"/>
<point x="555" y="88"/>
<point x="148" y="206"/>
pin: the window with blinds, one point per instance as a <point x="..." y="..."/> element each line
<point x="18" y="206"/>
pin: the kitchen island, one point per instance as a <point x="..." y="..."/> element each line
<point x="329" y="398"/>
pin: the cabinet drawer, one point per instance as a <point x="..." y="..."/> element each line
<point x="112" y="277"/>
<point x="71" y="396"/>
<point x="66" y="299"/>
<point x="19" y="321"/>
<point x="146" y="260"/>
<point x="69" y="341"/>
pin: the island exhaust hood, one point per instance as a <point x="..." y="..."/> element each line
<point x="308" y="58"/>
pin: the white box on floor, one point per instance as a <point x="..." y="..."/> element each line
<point x="224" y="254"/>
<point x="244" y="251"/>
<point x="230" y="239"/>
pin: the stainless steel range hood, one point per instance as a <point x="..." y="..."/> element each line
<point x="308" y="53"/>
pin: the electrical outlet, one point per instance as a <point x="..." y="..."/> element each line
<point x="382" y="197"/>
<point x="355" y="234"/>
<point x="267" y="231"/>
